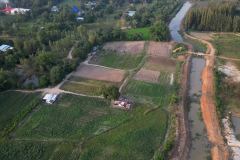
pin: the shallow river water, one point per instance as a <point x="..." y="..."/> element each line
<point x="199" y="143"/>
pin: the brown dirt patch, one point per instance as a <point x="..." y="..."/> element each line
<point x="203" y="35"/>
<point x="147" y="76"/>
<point x="125" y="47"/>
<point x="100" y="73"/>
<point x="159" y="49"/>
<point x="160" y="64"/>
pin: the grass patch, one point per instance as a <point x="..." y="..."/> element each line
<point x="85" y="86"/>
<point x="73" y="118"/>
<point x="137" y="139"/>
<point x="118" y="60"/>
<point x="14" y="106"/>
<point x="144" y="33"/>
<point x="227" y="45"/>
<point x="158" y="94"/>
<point x="197" y="45"/>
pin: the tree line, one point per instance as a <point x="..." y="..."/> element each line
<point x="222" y="17"/>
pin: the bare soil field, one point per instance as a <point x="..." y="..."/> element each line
<point x="147" y="76"/>
<point x="203" y="35"/>
<point x="160" y="64"/>
<point x="126" y="47"/>
<point x="100" y="73"/>
<point x="159" y="49"/>
<point x="231" y="71"/>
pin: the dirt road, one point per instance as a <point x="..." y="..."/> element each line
<point x="219" y="149"/>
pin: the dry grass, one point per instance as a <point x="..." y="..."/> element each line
<point x="160" y="64"/>
<point x="100" y="73"/>
<point x="147" y="76"/>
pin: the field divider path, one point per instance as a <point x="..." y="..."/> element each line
<point x="132" y="72"/>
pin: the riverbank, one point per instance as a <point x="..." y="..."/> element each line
<point x="219" y="149"/>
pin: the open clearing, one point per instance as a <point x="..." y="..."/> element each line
<point x="100" y="73"/>
<point x="227" y="45"/>
<point x="154" y="93"/>
<point x="115" y="60"/>
<point x="147" y="76"/>
<point x="159" y="49"/>
<point x="136" y="47"/>
<point x="144" y="32"/>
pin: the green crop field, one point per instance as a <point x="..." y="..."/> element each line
<point x="25" y="150"/>
<point x="72" y="117"/>
<point x="85" y="86"/>
<point x="158" y="94"/>
<point x="88" y="128"/>
<point x="118" y="60"/>
<point x="227" y="45"/>
<point x="137" y="139"/>
<point x="14" y="106"/>
<point x="145" y="32"/>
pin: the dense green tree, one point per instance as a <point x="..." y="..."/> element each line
<point x="56" y="74"/>
<point x="160" y="31"/>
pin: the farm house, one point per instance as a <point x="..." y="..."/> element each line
<point x="50" y="98"/>
<point x="5" y="48"/>
<point x="122" y="103"/>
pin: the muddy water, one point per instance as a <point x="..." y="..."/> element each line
<point x="175" y="24"/>
<point x="236" y="125"/>
<point x="199" y="143"/>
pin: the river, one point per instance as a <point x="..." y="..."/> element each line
<point x="199" y="142"/>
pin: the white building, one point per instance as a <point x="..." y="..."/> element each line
<point x="54" y="9"/>
<point x="50" y="98"/>
<point x="131" y="13"/>
<point x="5" y="48"/>
<point x="19" y="11"/>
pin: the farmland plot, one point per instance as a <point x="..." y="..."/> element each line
<point x="100" y="73"/>
<point x="117" y="60"/>
<point x="125" y="47"/>
<point x="13" y="108"/>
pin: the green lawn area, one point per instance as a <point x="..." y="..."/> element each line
<point x="158" y="94"/>
<point x="85" y="86"/>
<point x="145" y="32"/>
<point x="137" y="139"/>
<point x="227" y="45"/>
<point x="118" y="60"/>
<point x="14" y="106"/>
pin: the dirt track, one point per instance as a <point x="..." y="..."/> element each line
<point x="219" y="149"/>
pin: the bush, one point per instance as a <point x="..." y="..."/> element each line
<point x="111" y="92"/>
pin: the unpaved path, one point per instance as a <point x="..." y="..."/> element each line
<point x="70" y="53"/>
<point x="219" y="149"/>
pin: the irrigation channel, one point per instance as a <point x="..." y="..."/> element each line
<point x="200" y="145"/>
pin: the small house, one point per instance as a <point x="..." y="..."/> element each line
<point x="131" y="13"/>
<point x="50" y="98"/>
<point x="54" y="9"/>
<point x="80" y="19"/>
<point x="5" y="48"/>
